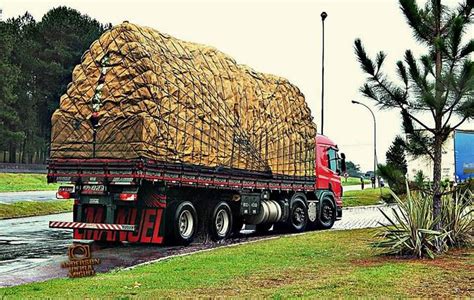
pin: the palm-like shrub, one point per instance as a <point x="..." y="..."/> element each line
<point x="457" y="217"/>
<point x="410" y="231"/>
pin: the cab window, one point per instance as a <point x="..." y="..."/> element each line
<point x="332" y="158"/>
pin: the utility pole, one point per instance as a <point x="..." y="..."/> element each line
<point x="323" y="17"/>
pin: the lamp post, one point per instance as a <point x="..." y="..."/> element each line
<point x="375" y="139"/>
<point x="323" y="17"/>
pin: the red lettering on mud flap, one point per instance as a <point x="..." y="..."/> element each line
<point x="147" y="224"/>
<point x="156" y="231"/>
<point x="151" y="226"/>
<point x="93" y="215"/>
<point x="134" y="237"/>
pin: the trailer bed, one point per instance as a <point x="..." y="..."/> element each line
<point x="123" y="172"/>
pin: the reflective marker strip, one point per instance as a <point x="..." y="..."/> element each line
<point x="99" y="226"/>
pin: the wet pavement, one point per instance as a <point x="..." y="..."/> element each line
<point x="11" y="197"/>
<point x="30" y="251"/>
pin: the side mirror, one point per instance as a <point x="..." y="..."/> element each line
<point x="343" y="163"/>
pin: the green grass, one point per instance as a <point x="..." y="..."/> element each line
<point x="353" y="181"/>
<point x="18" y="182"/>
<point x="34" y="208"/>
<point x="365" y="197"/>
<point x="318" y="264"/>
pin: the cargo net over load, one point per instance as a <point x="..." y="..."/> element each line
<point x="175" y="102"/>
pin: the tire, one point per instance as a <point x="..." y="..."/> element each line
<point x="220" y="225"/>
<point x="184" y="224"/>
<point x="298" y="218"/>
<point x="327" y="214"/>
<point x="263" y="228"/>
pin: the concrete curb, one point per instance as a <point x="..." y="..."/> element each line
<point x="370" y="206"/>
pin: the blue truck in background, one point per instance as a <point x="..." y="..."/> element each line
<point x="463" y="154"/>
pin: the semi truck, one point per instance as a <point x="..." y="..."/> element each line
<point x="143" y="201"/>
<point x="158" y="140"/>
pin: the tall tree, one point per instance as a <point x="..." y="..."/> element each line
<point x="25" y="58"/>
<point x="36" y="62"/>
<point x="439" y="83"/>
<point x="63" y="35"/>
<point x="10" y="132"/>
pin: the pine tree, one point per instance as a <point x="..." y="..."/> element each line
<point x="64" y="34"/>
<point x="395" y="155"/>
<point x="10" y="132"/>
<point x="36" y="62"/>
<point x="439" y="84"/>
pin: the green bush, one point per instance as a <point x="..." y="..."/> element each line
<point x="393" y="176"/>
<point x="411" y="229"/>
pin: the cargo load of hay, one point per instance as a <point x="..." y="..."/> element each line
<point x="177" y="102"/>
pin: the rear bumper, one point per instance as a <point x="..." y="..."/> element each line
<point x="96" y="226"/>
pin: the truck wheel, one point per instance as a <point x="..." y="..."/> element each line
<point x="184" y="223"/>
<point x="298" y="218"/>
<point x="220" y="226"/>
<point x="327" y="214"/>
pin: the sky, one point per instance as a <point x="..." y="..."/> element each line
<point x="283" y="37"/>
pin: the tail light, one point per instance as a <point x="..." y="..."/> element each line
<point x="63" y="195"/>
<point x="128" y="196"/>
<point x="65" y="192"/>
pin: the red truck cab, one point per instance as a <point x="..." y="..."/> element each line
<point x="329" y="166"/>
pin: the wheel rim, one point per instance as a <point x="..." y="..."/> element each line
<point x="299" y="216"/>
<point x="222" y="222"/>
<point x="186" y="224"/>
<point x="327" y="213"/>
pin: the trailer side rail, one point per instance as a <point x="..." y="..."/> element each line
<point x="101" y="171"/>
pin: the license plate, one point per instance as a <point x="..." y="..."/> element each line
<point x="92" y="189"/>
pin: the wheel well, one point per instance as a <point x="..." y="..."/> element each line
<point x="323" y="194"/>
<point x="299" y="195"/>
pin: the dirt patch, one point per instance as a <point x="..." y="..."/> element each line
<point x="455" y="259"/>
<point x="448" y="275"/>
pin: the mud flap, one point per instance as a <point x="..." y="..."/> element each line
<point x="148" y="221"/>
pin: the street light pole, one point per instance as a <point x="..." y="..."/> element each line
<point x="323" y="17"/>
<point x="375" y="139"/>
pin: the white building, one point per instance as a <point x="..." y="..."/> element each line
<point x="425" y="164"/>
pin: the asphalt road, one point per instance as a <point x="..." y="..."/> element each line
<point x="30" y="251"/>
<point x="11" y="197"/>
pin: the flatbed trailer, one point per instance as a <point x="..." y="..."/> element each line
<point x="146" y="201"/>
